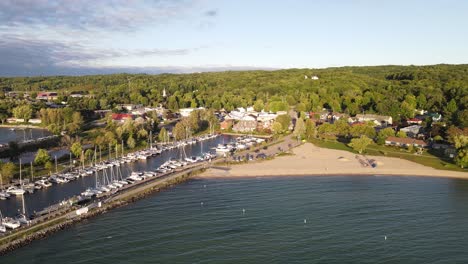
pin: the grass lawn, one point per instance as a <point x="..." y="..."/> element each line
<point x="425" y="159"/>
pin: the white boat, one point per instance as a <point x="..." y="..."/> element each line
<point x="15" y="190"/>
<point x="223" y="149"/>
<point x="4" y="195"/>
<point x="23" y="219"/>
<point x="88" y="193"/>
<point x="11" y="223"/>
<point x="44" y="183"/>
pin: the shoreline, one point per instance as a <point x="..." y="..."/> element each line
<point x="310" y="160"/>
<point x="21" y="126"/>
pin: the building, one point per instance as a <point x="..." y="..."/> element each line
<point x="226" y="124"/>
<point x="122" y="117"/>
<point x="414" y="121"/>
<point x="185" y="112"/>
<point x="436" y="117"/>
<point x="47" y="96"/>
<point x="377" y="119"/>
<point x="412" y="131"/>
<point x="314" y="77"/>
<point x="246" y="124"/>
<point x="405" y="142"/>
<point x="130" y="107"/>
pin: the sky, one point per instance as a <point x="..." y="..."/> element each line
<point x="75" y="37"/>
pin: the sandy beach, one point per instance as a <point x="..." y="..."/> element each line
<point x="309" y="160"/>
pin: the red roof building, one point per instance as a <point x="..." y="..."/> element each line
<point x="405" y="142"/>
<point x="122" y="117"/>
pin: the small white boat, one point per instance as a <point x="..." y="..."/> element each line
<point x="11" y="223"/>
<point x="4" y="195"/>
<point x="15" y="190"/>
<point x="22" y="219"/>
<point x="44" y="183"/>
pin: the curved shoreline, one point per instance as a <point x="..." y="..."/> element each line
<point x="310" y="160"/>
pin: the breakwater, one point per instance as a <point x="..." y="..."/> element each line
<point x="70" y="217"/>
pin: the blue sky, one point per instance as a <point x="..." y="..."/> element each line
<point x="44" y="37"/>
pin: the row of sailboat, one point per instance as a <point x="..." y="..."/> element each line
<point x="109" y="177"/>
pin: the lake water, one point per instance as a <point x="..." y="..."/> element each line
<point x="58" y="192"/>
<point x="20" y="134"/>
<point x="329" y="219"/>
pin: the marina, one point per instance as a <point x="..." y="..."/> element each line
<point x="85" y="184"/>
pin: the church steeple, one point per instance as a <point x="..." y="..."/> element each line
<point x="164" y="93"/>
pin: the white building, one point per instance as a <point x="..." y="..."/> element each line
<point x="185" y="112"/>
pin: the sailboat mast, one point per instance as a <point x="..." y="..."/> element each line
<point x="32" y="171"/>
<point x="22" y="201"/>
<point x="21" y="184"/>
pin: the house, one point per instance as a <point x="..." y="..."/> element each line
<point x="405" y="142"/>
<point x="316" y="116"/>
<point x="226" y="124"/>
<point x="412" y="131"/>
<point x="265" y="120"/>
<point x="101" y="113"/>
<point x="35" y="121"/>
<point x="185" y="112"/>
<point x="47" y="96"/>
<point x="377" y="119"/>
<point x="15" y="120"/>
<point x="246" y="124"/>
<point x="414" y="121"/>
<point x="436" y="117"/>
<point x="130" y="107"/>
<point x="122" y="117"/>
<point x="314" y="77"/>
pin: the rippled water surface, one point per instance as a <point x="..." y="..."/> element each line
<point x="274" y="220"/>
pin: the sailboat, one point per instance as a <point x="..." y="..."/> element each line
<point x="3" y="194"/>
<point x="17" y="190"/>
<point x="22" y="218"/>
<point x="2" y="226"/>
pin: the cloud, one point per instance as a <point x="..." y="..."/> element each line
<point x="211" y="13"/>
<point x="25" y="54"/>
<point x="88" y="14"/>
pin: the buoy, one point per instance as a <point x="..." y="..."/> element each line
<point x="201" y="203"/>
<point x="243" y="211"/>
<point x="305" y="221"/>
<point x="204" y="186"/>
<point x="385" y="237"/>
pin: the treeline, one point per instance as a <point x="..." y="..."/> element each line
<point x="389" y="90"/>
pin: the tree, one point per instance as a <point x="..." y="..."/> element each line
<point x="401" y="134"/>
<point x="311" y="129"/>
<point x="178" y="132"/>
<point x="23" y="112"/>
<point x="131" y="142"/>
<point x="42" y="157"/>
<point x="49" y="166"/>
<point x="461" y="144"/>
<point x="7" y="170"/>
<point x="277" y="128"/>
<point x="163" y="135"/>
<point x="327" y="130"/>
<point x="259" y="105"/>
<point x="360" y="144"/>
<point x="284" y="120"/>
<point x="384" y="134"/>
<point x="299" y="129"/>
<point x="366" y="130"/>
<point x="76" y="149"/>
<point x="342" y="127"/>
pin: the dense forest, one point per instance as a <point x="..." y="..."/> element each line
<point x="387" y="90"/>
